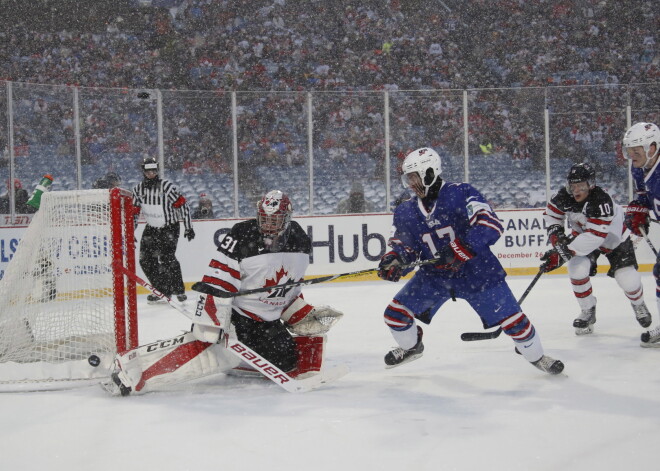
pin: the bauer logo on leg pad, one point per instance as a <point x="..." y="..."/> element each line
<point x="259" y="362"/>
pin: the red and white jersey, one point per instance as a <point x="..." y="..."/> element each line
<point x="243" y="262"/>
<point x="596" y="223"/>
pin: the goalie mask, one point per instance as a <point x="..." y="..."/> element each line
<point x="426" y="164"/>
<point x="642" y="135"/>
<point x="273" y="217"/>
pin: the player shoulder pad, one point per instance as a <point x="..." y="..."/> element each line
<point x="563" y="200"/>
<point x="246" y="238"/>
<point x="299" y="241"/>
<point x="599" y="203"/>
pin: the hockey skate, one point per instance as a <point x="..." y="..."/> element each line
<point x="584" y="324"/>
<point x="549" y="365"/>
<point x="153" y="299"/>
<point x="651" y="339"/>
<point x="398" y="356"/>
<point x="642" y="314"/>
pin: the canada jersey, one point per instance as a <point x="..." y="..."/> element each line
<point x="459" y="212"/>
<point x="647" y="187"/>
<point x="597" y="222"/>
<point x="244" y="263"/>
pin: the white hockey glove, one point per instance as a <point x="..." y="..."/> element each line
<point x="214" y="316"/>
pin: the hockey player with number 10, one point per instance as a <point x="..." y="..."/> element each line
<point x="452" y="222"/>
<point x="277" y="324"/>
<point x="597" y="226"/>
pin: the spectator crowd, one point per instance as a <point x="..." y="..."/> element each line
<point x="357" y="48"/>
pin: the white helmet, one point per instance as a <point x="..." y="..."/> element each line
<point x="426" y="163"/>
<point x="642" y="134"/>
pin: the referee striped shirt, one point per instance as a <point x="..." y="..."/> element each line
<point x="162" y="204"/>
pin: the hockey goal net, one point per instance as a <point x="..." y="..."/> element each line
<point x="66" y="306"/>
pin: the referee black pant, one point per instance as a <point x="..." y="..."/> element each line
<point x="158" y="258"/>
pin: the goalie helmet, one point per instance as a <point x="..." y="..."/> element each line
<point x="424" y="162"/>
<point x="642" y="135"/>
<point x="582" y="172"/>
<point x="274" y="214"/>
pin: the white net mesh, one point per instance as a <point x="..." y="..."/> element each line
<point x="57" y="306"/>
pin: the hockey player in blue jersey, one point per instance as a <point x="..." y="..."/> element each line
<point x="641" y="144"/>
<point x="452" y="222"/>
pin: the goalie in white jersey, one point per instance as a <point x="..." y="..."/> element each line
<point x="277" y="324"/>
<point x="597" y="226"/>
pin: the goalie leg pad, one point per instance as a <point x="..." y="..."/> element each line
<point x="310" y="355"/>
<point x="171" y="361"/>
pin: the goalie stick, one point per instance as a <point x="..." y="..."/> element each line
<point x="245" y="353"/>
<point x="204" y="288"/>
<point x="493" y="334"/>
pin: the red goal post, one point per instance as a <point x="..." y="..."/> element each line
<point x="66" y="307"/>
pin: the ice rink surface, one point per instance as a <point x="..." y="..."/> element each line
<point x="462" y="406"/>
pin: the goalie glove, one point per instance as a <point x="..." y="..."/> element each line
<point x="318" y="322"/>
<point x="637" y="216"/>
<point x="304" y="319"/>
<point x="213" y="317"/>
<point x="454" y="255"/>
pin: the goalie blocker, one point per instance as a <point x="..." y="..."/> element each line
<point x="212" y="347"/>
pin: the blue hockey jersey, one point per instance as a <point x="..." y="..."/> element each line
<point x="647" y="187"/>
<point x="459" y="212"/>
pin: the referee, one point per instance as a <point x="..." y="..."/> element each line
<point x="163" y="207"/>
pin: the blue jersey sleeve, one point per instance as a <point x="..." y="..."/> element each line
<point x="641" y="194"/>
<point x="484" y="226"/>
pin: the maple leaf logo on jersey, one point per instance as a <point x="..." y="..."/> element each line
<point x="280" y="275"/>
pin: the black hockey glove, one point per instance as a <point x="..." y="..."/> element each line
<point x="453" y="256"/>
<point x="389" y="267"/>
<point x="555" y="232"/>
<point x="562" y="248"/>
<point x="551" y="260"/>
<point x="189" y="234"/>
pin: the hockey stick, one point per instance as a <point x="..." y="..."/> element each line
<point x="245" y="353"/>
<point x="470" y="336"/>
<point x="175" y="304"/>
<point x="205" y="288"/>
<point x="648" y="241"/>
